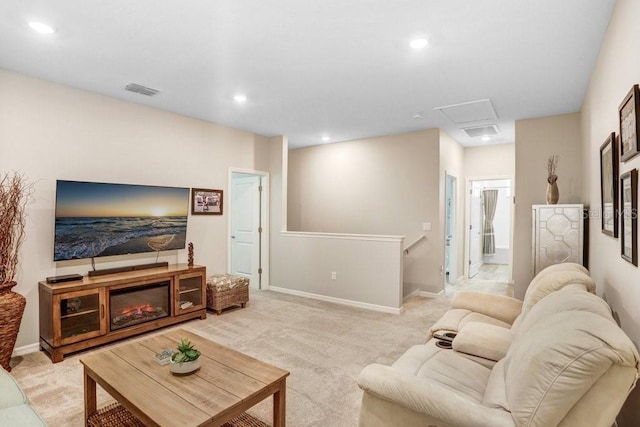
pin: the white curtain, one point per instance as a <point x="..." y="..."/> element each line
<point x="489" y="201"/>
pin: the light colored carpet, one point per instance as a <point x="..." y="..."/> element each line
<point x="323" y="345"/>
<point x="486" y="281"/>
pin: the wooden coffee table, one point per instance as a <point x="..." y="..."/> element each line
<point x="227" y="384"/>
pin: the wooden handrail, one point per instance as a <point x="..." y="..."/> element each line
<point x="415" y="242"/>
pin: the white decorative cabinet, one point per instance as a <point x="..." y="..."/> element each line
<point x="557" y="235"/>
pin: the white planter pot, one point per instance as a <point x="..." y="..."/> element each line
<point x="185" y="367"/>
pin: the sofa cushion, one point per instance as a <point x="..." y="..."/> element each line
<point x="495" y="395"/>
<point x="543" y="285"/>
<point x="225" y="282"/>
<point x="456" y="318"/>
<point x="550" y="282"/>
<point x="20" y="416"/>
<point x="570" y="298"/>
<point x="499" y="307"/>
<point x="483" y="340"/>
<point x="445" y="368"/>
<point x="436" y="405"/>
<point x="10" y="393"/>
<point x="414" y="358"/>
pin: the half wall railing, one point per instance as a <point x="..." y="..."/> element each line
<point x="415" y="242"/>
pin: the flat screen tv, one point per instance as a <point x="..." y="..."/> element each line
<point x="99" y="219"/>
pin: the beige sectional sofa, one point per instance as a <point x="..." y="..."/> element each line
<point x="15" y="410"/>
<point x="564" y="362"/>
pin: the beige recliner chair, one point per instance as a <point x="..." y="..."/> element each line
<point x="569" y="364"/>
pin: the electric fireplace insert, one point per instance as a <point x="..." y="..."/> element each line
<point x="132" y="306"/>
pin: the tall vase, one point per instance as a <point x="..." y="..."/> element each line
<point x="11" y="310"/>
<point x="552" y="190"/>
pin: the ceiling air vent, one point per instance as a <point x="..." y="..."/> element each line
<point x="142" y="90"/>
<point x="475" y="132"/>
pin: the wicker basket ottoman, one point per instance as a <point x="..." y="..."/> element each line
<point x="226" y="290"/>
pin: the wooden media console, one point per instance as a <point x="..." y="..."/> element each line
<point x="82" y="314"/>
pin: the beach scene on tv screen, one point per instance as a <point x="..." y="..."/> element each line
<point x="99" y="219"/>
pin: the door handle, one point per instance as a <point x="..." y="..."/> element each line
<point x="233" y="237"/>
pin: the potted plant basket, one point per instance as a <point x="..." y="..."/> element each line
<point x="15" y="192"/>
<point x="186" y="360"/>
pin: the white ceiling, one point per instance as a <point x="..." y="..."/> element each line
<point x="311" y="68"/>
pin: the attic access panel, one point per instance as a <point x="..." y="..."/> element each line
<point x="468" y="113"/>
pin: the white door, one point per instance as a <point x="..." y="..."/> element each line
<point x="245" y="227"/>
<point x="475" y="231"/>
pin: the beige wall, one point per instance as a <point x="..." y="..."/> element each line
<point x="384" y="185"/>
<point x="536" y="140"/>
<point x="617" y="70"/>
<point x="490" y="161"/>
<point x="50" y="131"/>
<point x="368" y="268"/>
<point x="495" y="161"/>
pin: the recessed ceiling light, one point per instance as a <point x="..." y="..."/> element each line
<point x="41" y="27"/>
<point x="418" y="43"/>
<point x="240" y="97"/>
<point x="326" y="138"/>
<point x="485" y="138"/>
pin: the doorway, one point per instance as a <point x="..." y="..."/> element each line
<point x="248" y="226"/>
<point x="450" y="249"/>
<point x="490" y="230"/>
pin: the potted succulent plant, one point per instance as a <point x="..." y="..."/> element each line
<point x="15" y="193"/>
<point x="186" y="360"/>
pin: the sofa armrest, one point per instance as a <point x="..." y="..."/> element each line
<point x="499" y="307"/>
<point x="428" y="397"/>
<point x="483" y="340"/>
<point x="10" y="392"/>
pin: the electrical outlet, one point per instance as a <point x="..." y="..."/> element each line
<point x="426" y="226"/>
<point x="333" y="275"/>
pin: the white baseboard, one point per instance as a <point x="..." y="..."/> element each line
<point x="424" y="294"/>
<point x="412" y="294"/>
<point x="431" y="294"/>
<point x="26" y="349"/>
<point x="341" y="301"/>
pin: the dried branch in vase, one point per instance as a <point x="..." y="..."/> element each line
<point x="552" y="164"/>
<point x="15" y="193"/>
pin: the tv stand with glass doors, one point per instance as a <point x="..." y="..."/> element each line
<point x="83" y="314"/>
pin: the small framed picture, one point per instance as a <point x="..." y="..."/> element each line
<point x="609" y="186"/>
<point x="628" y="114"/>
<point x="629" y="216"/>
<point x="206" y="202"/>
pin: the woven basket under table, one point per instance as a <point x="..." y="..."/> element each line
<point x="116" y="415"/>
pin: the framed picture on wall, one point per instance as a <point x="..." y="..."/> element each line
<point x="609" y="185"/>
<point x="628" y="216"/>
<point x="628" y="114"/>
<point x="206" y="202"/>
